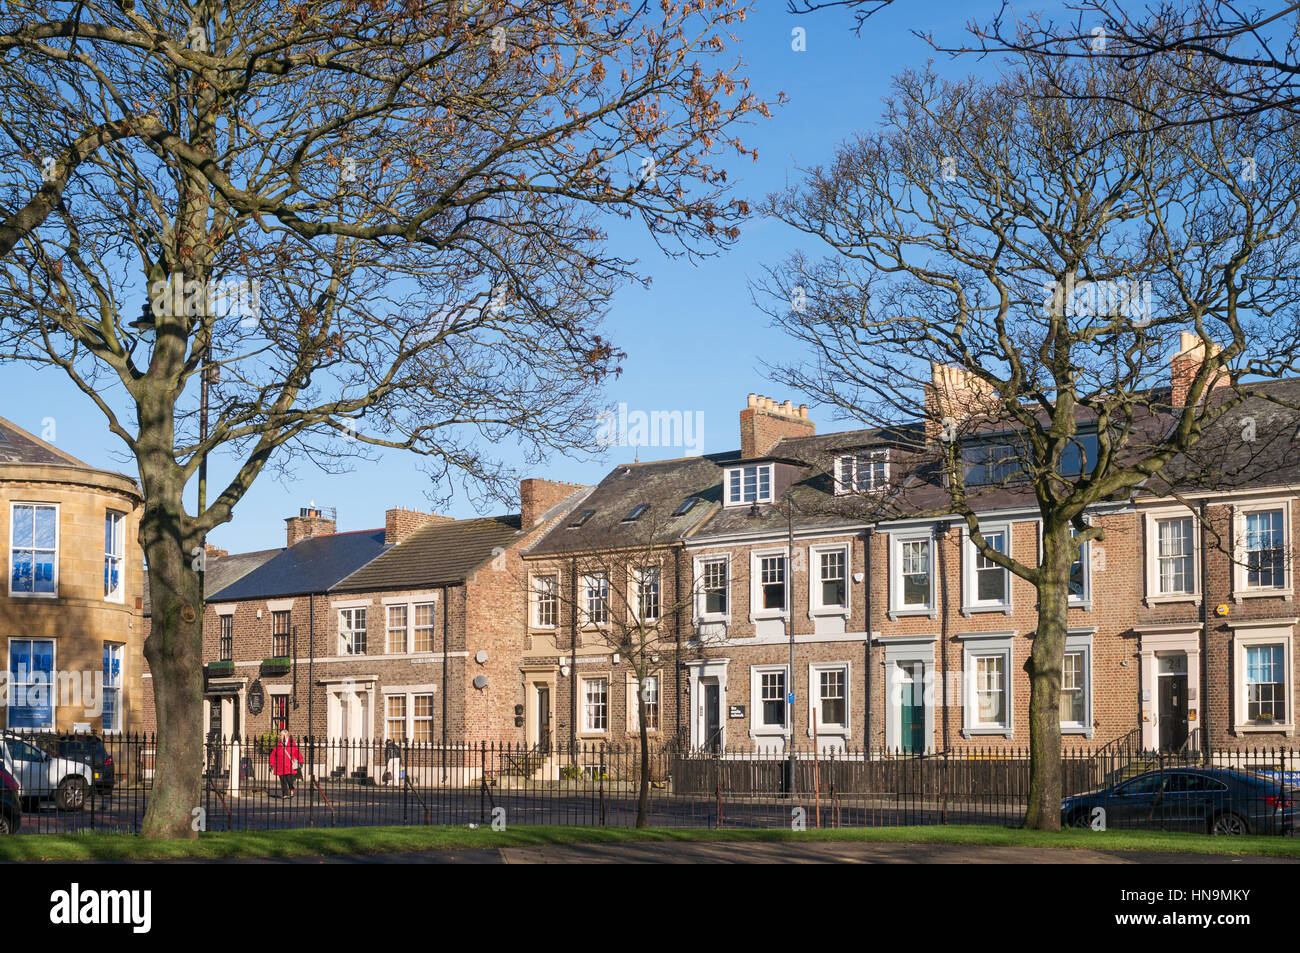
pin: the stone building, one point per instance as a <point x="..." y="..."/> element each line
<point x="71" y="608"/>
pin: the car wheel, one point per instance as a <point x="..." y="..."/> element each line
<point x="6" y="825"/>
<point x="71" y="794"/>
<point x="1228" y="823"/>
<point x="1081" y="818"/>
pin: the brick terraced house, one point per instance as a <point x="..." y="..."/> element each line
<point x="675" y="581"/>
<point x="412" y="632"/>
<point x="1181" y="620"/>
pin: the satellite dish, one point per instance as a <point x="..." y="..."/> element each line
<point x="480" y="656"/>
<point x="480" y="681"/>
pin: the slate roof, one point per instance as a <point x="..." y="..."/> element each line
<point x="663" y="485"/>
<point x="311" y="565"/>
<point x="18" y="446"/>
<point x="437" y="554"/>
<point x="1255" y="444"/>
<point x="221" y="571"/>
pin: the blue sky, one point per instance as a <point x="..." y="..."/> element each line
<point x="694" y="340"/>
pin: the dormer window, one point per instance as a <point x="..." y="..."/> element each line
<point x="862" y="472"/>
<point x="752" y="484"/>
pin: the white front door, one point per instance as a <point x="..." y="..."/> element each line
<point x="349" y="721"/>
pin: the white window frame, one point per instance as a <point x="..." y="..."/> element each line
<point x="587" y="620"/>
<point x="365" y="629"/>
<point x="119" y="687"/>
<point x="815" y="605"/>
<point x="405" y="716"/>
<point x="971" y="602"/>
<point x="53" y="686"/>
<point x="1084" y="601"/>
<point x="637" y="576"/>
<point x="587" y="728"/>
<point x="633" y="711"/>
<point x="389" y="628"/>
<point x="896" y="605"/>
<point x="409" y="717"/>
<point x="1151" y="523"/>
<point x="58" y="532"/>
<point x="1241" y="588"/>
<point x="740" y="500"/>
<point x="1081" y="644"/>
<point x="985" y="645"/>
<point x="1252" y="637"/>
<point x="756" y="610"/>
<point x="701" y="596"/>
<point x="848" y="468"/>
<point x="118" y="520"/>
<point x="413" y="636"/>
<point x="758" y="728"/>
<point x="536" y="601"/>
<point x="815" y="671"/>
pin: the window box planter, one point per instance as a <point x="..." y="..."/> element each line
<point x="276" y="666"/>
<point x="220" y="669"/>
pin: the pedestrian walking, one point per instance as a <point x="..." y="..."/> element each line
<point x="285" y="760"/>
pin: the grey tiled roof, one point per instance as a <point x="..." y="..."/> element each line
<point x="18" y="446"/>
<point x="661" y="485"/>
<point x="221" y="571"/>
<point x="310" y="565"/>
<point x="438" y="553"/>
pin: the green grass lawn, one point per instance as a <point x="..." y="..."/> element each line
<point x="373" y="840"/>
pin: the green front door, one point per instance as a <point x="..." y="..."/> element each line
<point x="911" y="711"/>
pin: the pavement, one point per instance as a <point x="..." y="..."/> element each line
<point x="783" y="852"/>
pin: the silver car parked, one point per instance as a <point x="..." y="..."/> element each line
<point x="43" y="776"/>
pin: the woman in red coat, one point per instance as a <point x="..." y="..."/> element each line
<point x="284" y="762"/>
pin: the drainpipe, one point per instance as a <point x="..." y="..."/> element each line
<point x="677" y="659"/>
<point x="1203" y="706"/>
<point x="573" y="659"/>
<point x="311" y="663"/>
<point x="866" y="575"/>
<point x="941" y="534"/>
<point x="446" y="614"/>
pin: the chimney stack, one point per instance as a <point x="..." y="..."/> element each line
<point x="311" y="521"/>
<point x="764" y="423"/>
<point x="1184" y="366"/>
<point x="400" y="523"/>
<point x="536" y="496"/>
<point x="955" y="393"/>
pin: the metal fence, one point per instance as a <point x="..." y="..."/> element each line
<point x="348" y="783"/>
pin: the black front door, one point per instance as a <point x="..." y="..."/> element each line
<point x="1173" y="712"/>
<point x="712" y="717"/>
<point x="544" y="717"/>
<point x="214" y="735"/>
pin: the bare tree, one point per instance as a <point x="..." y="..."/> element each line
<point x="623" y="597"/>
<point x="1003" y="269"/>
<point x="1237" y="59"/>
<point x="362" y="224"/>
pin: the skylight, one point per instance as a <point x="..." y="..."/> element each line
<point x="635" y="512"/>
<point x="685" y="508"/>
<point x="582" y="518"/>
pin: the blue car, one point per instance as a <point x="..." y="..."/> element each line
<point x="1199" y="800"/>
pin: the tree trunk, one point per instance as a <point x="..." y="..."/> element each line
<point x="643" y="794"/>
<point x="174" y="652"/>
<point x="1044" y="669"/>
